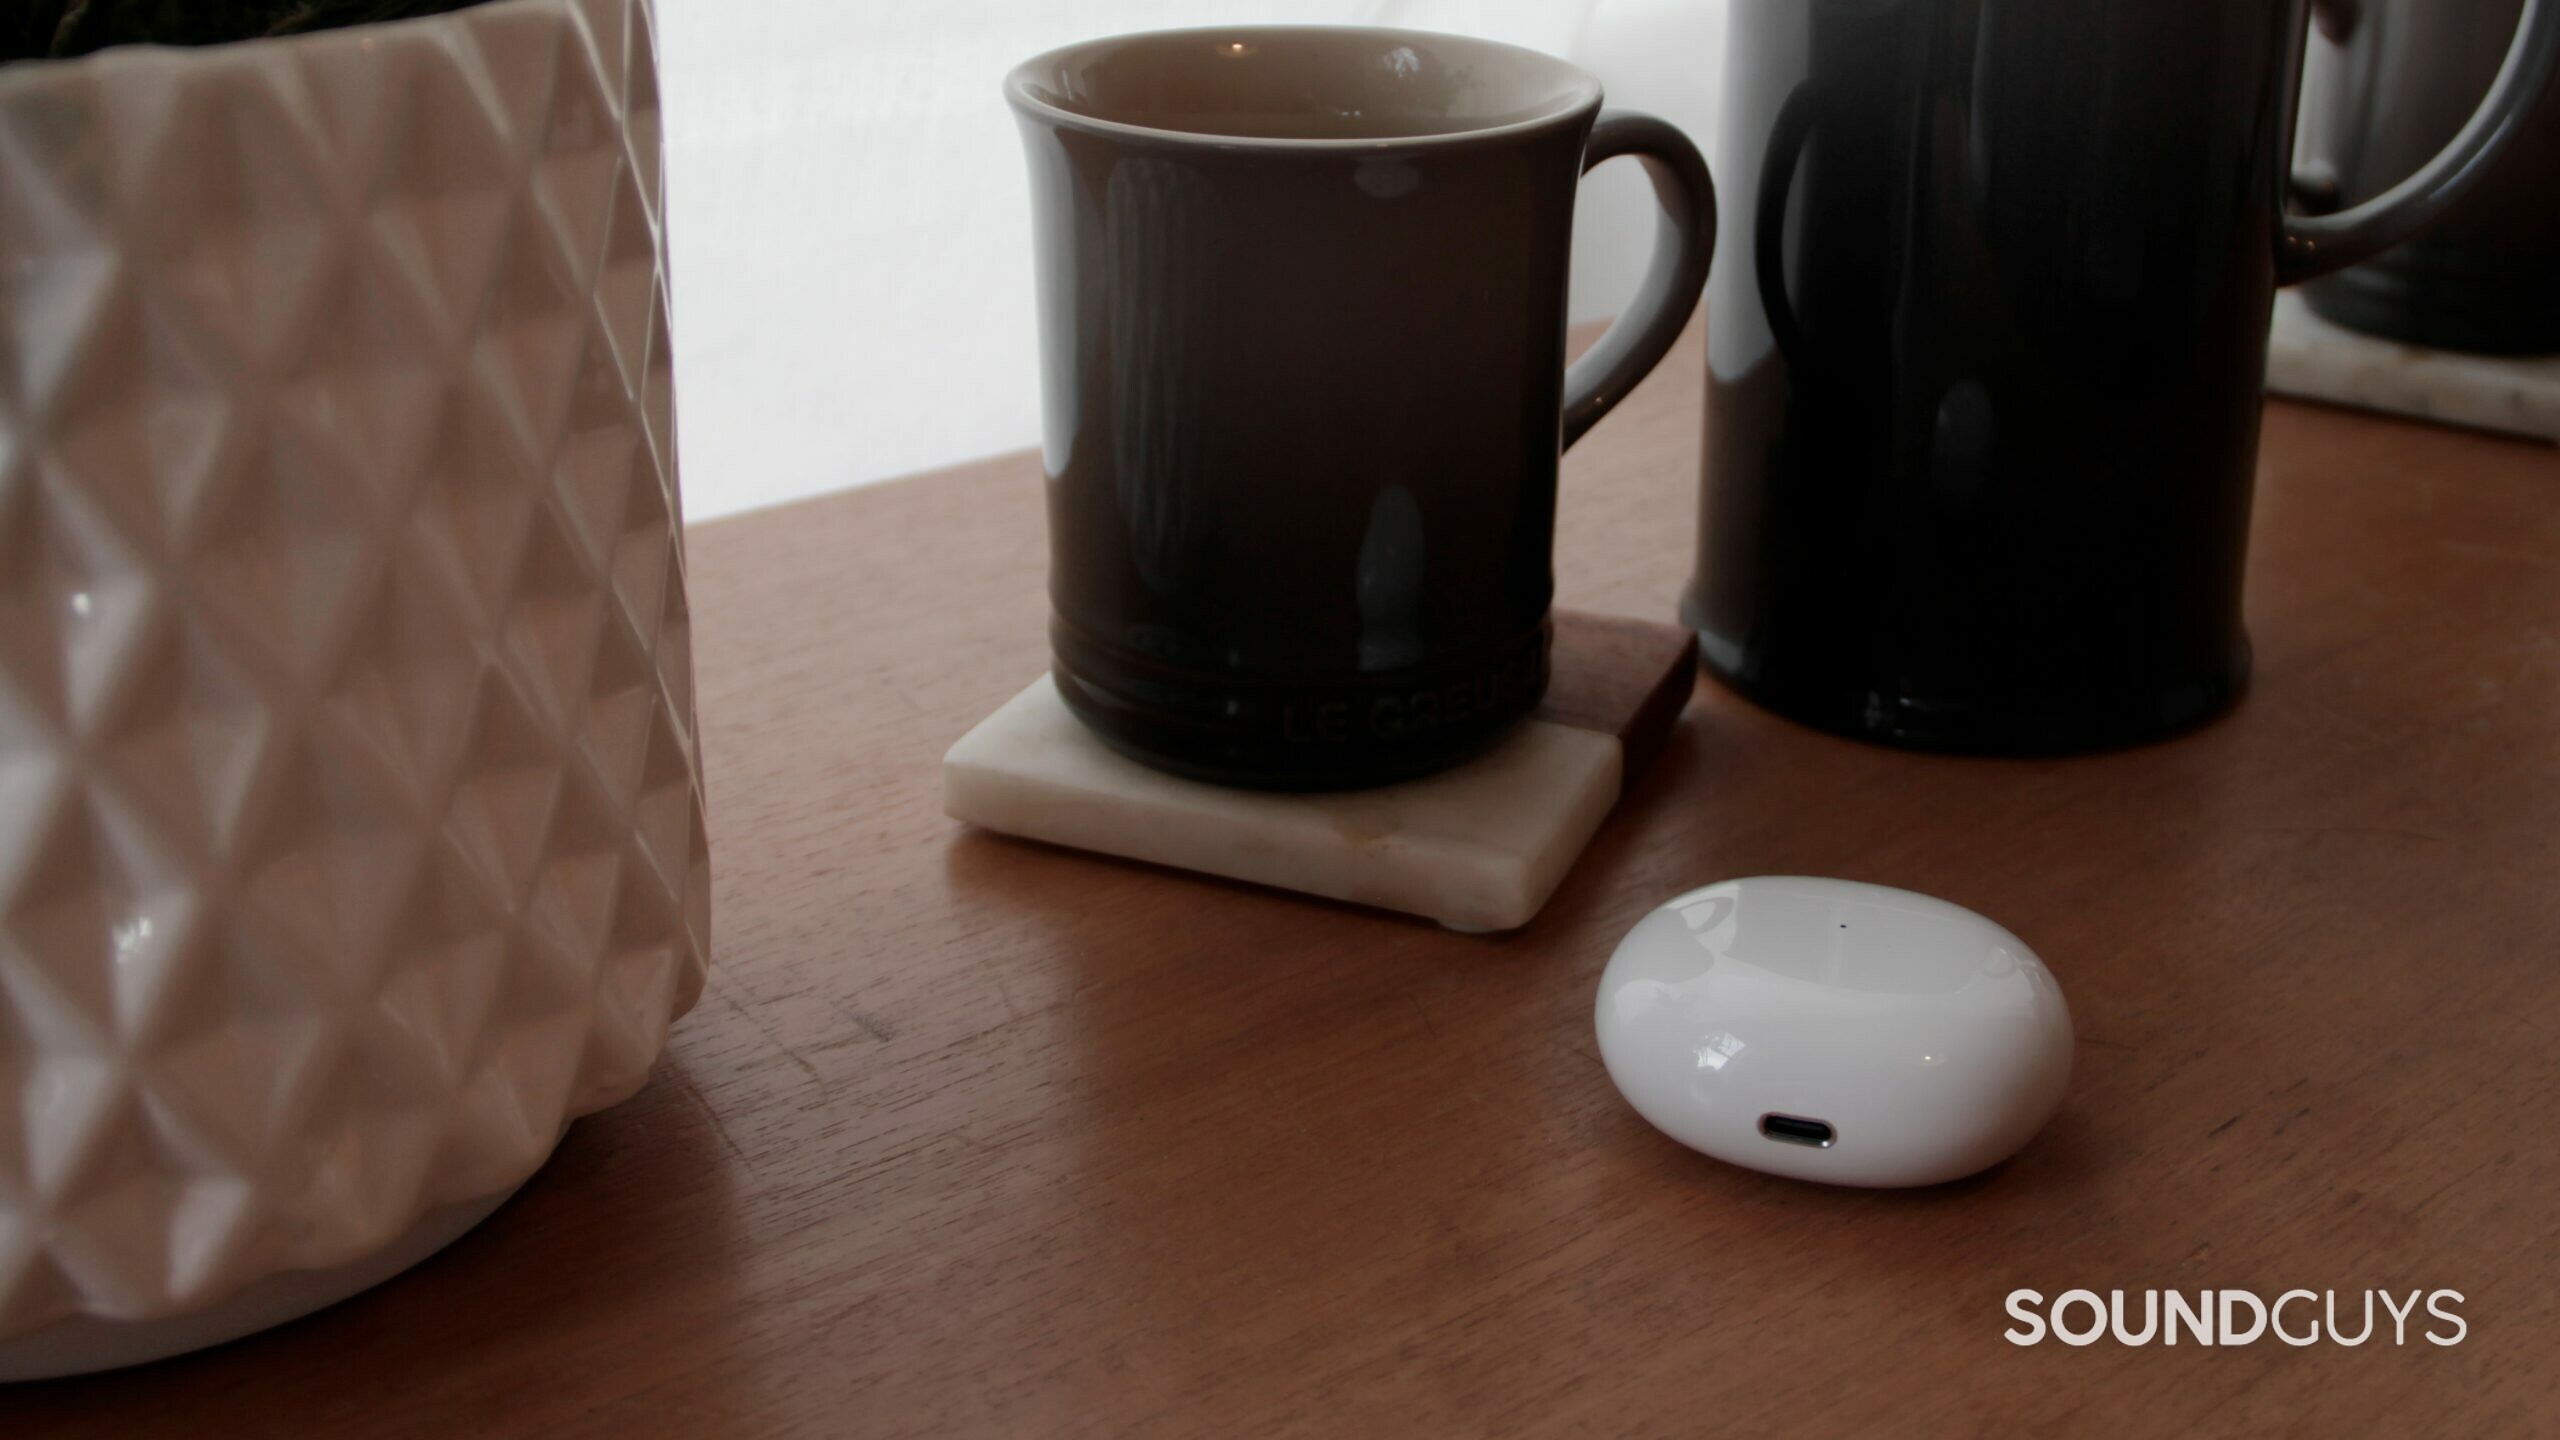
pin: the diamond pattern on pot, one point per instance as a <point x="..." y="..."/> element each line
<point x="351" y="834"/>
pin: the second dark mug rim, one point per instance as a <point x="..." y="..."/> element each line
<point x="1026" y="90"/>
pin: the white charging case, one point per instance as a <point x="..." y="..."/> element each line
<point x="1834" y="1031"/>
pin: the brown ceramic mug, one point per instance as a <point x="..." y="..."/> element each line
<point x="1302" y="300"/>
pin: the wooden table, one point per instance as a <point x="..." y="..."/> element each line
<point x="975" y="1136"/>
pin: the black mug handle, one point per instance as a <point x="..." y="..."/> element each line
<point x="1684" y="241"/>
<point x="2310" y="246"/>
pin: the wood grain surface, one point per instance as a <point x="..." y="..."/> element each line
<point x="974" y="1137"/>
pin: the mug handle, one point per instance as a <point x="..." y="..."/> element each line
<point x="1684" y="241"/>
<point x="2313" y="245"/>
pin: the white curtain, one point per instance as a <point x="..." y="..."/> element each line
<point x="851" y="231"/>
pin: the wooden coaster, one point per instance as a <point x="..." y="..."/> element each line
<point x="1477" y="847"/>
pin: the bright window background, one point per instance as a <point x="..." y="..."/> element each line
<point x="851" y="226"/>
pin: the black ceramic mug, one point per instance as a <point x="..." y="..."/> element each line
<point x="1987" y="352"/>
<point x="1302" y="314"/>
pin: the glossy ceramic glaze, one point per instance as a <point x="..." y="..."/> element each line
<point x="351" y="829"/>
<point x="1302" y="325"/>
<point x="2393" y="81"/>
<point x="1928" y="1041"/>
<point x="1984" y="378"/>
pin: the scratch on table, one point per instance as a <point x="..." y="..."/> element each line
<point x="2364" y="731"/>
<point x="693" y="1092"/>
<point x="1422" y="1012"/>
<point x="2387" y="832"/>
<point x="2413" y="1211"/>
<point x="2494" y="552"/>
<point x="878" y="1027"/>
<point x="794" y="1056"/>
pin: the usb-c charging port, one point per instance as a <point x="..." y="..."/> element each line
<point x="1796" y="1130"/>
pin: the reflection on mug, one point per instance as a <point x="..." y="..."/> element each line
<point x="1155" y="218"/>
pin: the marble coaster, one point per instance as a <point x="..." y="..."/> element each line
<point x="1478" y="847"/>
<point x="2311" y="358"/>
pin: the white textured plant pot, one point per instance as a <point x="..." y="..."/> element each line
<point x="351" y="836"/>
